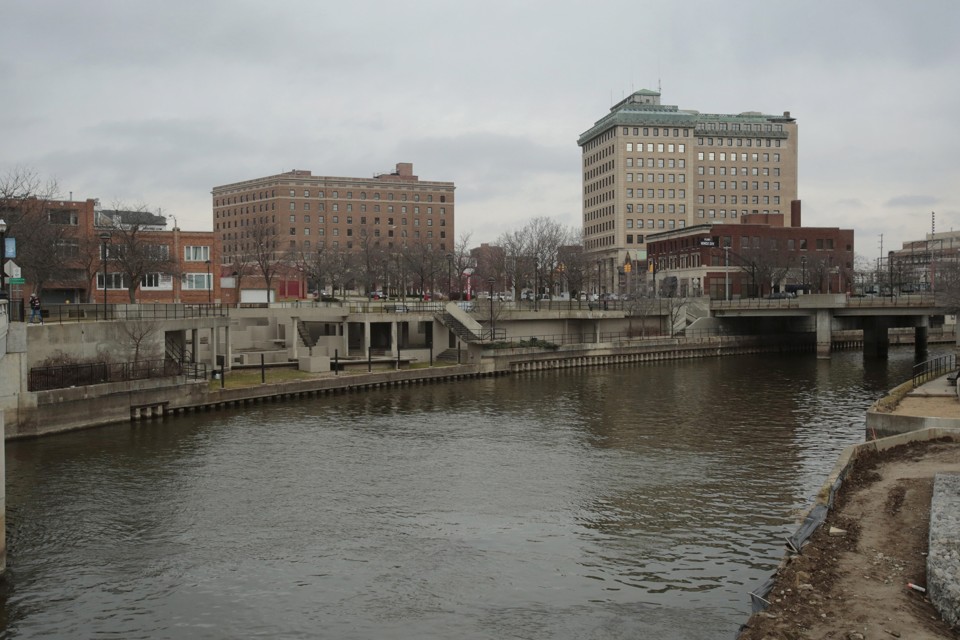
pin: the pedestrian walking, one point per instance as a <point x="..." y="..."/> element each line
<point x="35" y="310"/>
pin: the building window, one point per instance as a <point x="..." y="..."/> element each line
<point x="195" y="281"/>
<point x="196" y="254"/>
<point x="157" y="282"/>
<point x="114" y="281"/>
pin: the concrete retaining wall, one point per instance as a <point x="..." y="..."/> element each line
<point x="883" y="425"/>
<point x="943" y="559"/>
<point x="48" y="412"/>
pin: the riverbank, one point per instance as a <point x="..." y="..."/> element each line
<point x="55" y="411"/>
<point x="853" y="577"/>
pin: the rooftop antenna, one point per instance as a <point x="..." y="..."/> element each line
<point x="933" y="222"/>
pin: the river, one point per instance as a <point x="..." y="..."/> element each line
<point x="629" y="501"/>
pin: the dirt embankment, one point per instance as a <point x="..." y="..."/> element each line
<point x="853" y="585"/>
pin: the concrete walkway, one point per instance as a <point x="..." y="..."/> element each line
<point x="936" y="399"/>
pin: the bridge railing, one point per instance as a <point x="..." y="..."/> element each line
<point x="933" y="368"/>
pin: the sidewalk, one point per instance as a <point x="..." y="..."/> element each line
<point x="937" y="399"/>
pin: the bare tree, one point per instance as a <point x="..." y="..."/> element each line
<point x="424" y="264"/>
<point x="371" y="259"/>
<point x="132" y="249"/>
<point x="341" y="267"/>
<point x="262" y="236"/>
<point x="137" y="338"/>
<point x="242" y="264"/>
<point x="763" y="264"/>
<point x="574" y="264"/>
<point x="515" y="259"/>
<point x="44" y="240"/>
<point x="88" y="260"/>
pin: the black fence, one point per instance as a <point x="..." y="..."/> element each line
<point x="69" y="313"/>
<point x="80" y="375"/>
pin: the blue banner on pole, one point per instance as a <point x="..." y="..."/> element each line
<point x="10" y="248"/>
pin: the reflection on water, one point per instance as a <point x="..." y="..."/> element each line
<point x="629" y="501"/>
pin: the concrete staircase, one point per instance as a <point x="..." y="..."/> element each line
<point x="460" y="322"/>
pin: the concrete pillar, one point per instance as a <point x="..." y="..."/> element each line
<point x="345" y="338"/>
<point x="293" y="338"/>
<point x="228" y="348"/>
<point x="214" y="339"/>
<point x="394" y="343"/>
<point x="824" y="333"/>
<point x="366" y="337"/>
<point x="920" y="336"/>
<point x="194" y="343"/>
<point x="876" y="342"/>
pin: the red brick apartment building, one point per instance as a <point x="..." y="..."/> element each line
<point x="755" y="258"/>
<point x="60" y="244"/>
<point x="298" y="214"/>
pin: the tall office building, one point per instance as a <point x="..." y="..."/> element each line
<point x="649" y="167"/>
<point x="303" y="211"/>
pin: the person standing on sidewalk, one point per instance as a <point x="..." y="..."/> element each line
<point x="35" y="310"/>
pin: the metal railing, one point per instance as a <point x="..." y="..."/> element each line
<point x="80" y="375"/>
<point x="933" y="368"/>
<point x="90" y="312"/>
<point x="904" y="300"/>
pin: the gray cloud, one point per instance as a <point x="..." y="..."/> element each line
<point x="159" y="102"/>
<point x="912" y="201"/>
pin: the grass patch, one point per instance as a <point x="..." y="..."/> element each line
<point x="239" y="378"/>
<point x="534" y="343"/>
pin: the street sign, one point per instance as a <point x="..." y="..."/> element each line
<point x="17" y="281"/>
<point x="12" y="269"/>
<point x="707" y="242"/>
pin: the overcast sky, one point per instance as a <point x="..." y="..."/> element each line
<point x="155" y="103"/>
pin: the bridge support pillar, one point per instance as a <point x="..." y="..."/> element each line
<point x="920" y="336"/>
<point x="824" y="333"/>
<point x="876" y="342"/>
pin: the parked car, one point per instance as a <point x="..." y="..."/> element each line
<point x="376" y="295"/>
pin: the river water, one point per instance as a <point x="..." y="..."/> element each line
<point x="631" y="501"/>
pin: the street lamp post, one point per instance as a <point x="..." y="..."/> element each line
<point x="209" y="284"/>
<point x="598" y="278"/>
<point x="491" y="281"/>
<point x="803" y="273"/>
<point x="449" y="276"/>
<point x="104" y="239"/>
<point x="726" y="272"/>
<point x="3" y="258"/>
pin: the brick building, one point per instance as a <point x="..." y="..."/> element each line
<point x="650" y="168"/>
<point x="298" y="213"/>
<point x="755" y="257"/>
<point x="72" y="231"/>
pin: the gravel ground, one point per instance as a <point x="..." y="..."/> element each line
<point x="851" y="580"/>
